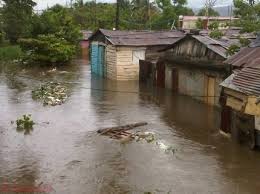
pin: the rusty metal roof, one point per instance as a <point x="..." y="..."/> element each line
<point x="141" y="38"/>
<point x="247" y="57"/>
<point x="216" y="46"/>
<point x="248" y="80"/>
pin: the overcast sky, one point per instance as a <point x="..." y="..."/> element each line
<point x="42" y="4"/>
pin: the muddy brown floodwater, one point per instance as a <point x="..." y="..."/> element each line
<point x="65" y="152"/>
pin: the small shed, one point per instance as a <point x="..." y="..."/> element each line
<point x="194" y="66"/>
<point x="84" y="43"/>
<point x="116" y="54"/>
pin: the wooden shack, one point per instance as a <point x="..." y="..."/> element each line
<point x="241" y="96"/>
<point x="194" y="66"/>
<point x="116" y="54"/>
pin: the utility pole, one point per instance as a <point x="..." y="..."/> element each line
<point x="117" y="14"/>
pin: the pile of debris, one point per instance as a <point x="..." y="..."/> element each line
<point x="51" y="93"/>
<point x="123" y="134"/>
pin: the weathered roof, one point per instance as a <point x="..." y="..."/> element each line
<point x="140" y="38"/>
<point x="248" y="80"/>
<point x="247" y="57"/>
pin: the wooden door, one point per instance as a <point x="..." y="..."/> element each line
<point x="175" y="80"/>
<point x="211" y="90"/>
<point x="160" y="75"/>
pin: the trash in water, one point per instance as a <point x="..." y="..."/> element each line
<point x="166" y="148"/>
<point x="25" y="124"/>
<point x="51" y="93"/>
<point x="147" y="136"/>
<point x="123" y="134"/>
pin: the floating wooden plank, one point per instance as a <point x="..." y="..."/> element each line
<point x="122" y="128"/>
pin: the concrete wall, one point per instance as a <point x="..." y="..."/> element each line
<point x="194" y="83"/>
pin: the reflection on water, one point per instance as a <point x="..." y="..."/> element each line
<point x="68" y="154"/>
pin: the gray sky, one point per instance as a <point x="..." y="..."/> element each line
<point x="42" y="4"/>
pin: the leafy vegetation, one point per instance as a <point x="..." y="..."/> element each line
<point x="232" y="49"/>
<point x="25" y="124"/>
<point x="51" y="93"/>
<point x="47" y="49"/>
<point x="10" y="52"/>
<point x="199" y="23"/>
<point x="217" y="34"/>
<point x="16" y="16"/>
<point x="214" y="26"/>
<point x="249" y="13"/>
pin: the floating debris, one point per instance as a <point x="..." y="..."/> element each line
<point x="25" y="124"/>
<point x="51" y="93"/>
<point x="123" y="134"/>
<point x="149" y="137"/>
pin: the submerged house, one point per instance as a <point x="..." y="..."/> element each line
<point x="116" y="54"/>
<point x="241" y="96"/>
<point x="194" y="66"/>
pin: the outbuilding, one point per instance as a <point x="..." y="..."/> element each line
<point x="116" y="54"/>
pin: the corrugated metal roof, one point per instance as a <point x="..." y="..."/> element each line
<point x="247" y="57"/>
<point x="248" y="80"/>
<point x="141" y="38"/>
<point x="212" y="44"/>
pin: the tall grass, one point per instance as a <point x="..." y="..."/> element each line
<point x="10" y="52"/>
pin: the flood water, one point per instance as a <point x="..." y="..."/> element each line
<point x="65" y="152"/>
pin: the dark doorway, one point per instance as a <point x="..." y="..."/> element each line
<point x="160" y="77"/>
<point x="145" y="71"/>
<point x="226" y="119"/>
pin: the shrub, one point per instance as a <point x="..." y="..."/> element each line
<point x="214" y="26"/>
<point x="10" y="52"/>
<point x="47" y="49"/>
<point x="244" y="42"/>
<point x="216" y="34"/>
<point x="232" y="49"/>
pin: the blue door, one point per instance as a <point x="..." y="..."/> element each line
<point x="94" y="58"/>
<point x="98" y="59"/>
<point x="101" y="60"/>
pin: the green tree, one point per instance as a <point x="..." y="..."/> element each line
<point x="212" y="12"/>
<point x="170" y="13"/>
<point x="17" y="15"/>
<point x="249" y="14"/>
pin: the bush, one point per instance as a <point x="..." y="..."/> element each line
<point x="216" y="34"/>
<point x="47" y="49"/>
<point x="214" y="26"/>
<point x="232" y="49"/>
<point x="244" y="42"/>
<point x="199" y="23"/>
<point x="10" y="52"/>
